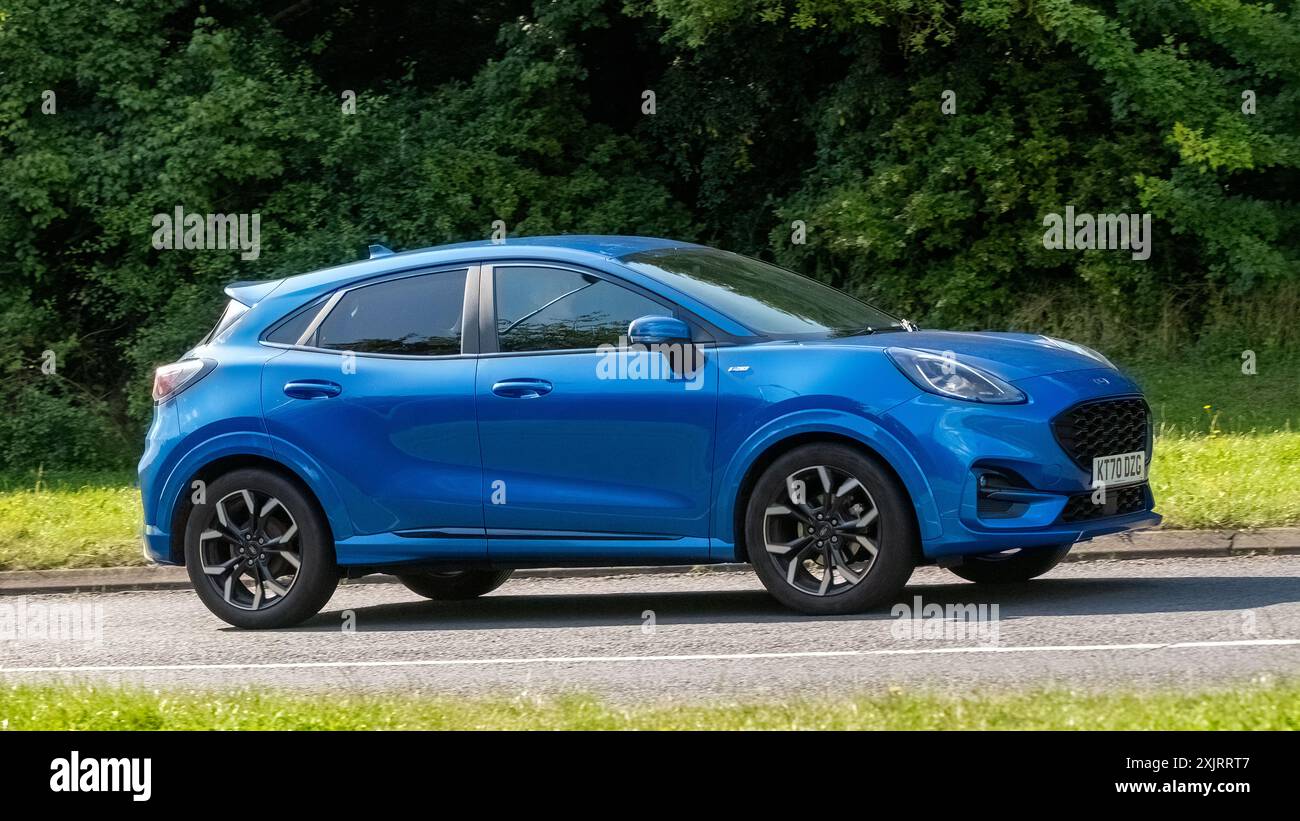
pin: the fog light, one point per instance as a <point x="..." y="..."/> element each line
<point x="996" y="496"/>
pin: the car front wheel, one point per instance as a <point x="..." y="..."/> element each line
<point x="829" y="530"/>
<point x="1011" y="566"/>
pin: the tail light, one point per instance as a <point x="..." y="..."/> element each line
<point x="170" y="380"/>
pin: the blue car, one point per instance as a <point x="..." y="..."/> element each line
<point x="451" y="414"/>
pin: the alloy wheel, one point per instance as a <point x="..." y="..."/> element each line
<point x="822" y="531"/>
<point x="250" y="549"/>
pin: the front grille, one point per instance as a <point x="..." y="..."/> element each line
<point x="1104" y="427"/>
<point x="1119" y="501"/>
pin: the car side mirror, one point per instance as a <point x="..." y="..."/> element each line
<point x="657" y="330"/>
<point x="672" y="338"/>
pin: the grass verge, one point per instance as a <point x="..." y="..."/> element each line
<point x="69" y="520"/>
<point x="1230" y="481"/>
<point x="37" y="707"/>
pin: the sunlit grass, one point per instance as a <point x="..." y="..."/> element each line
<point x="24" y="707"/>
<point x="1228" y="480"/>
<point x="69" y="520"/>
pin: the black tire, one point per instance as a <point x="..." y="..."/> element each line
<point x="292" y="530"/>
<point x="454" y="585"/>
<point x="797" y="576"/>
<point x="1009" y="568"/>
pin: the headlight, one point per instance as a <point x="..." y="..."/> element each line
<point x="946" y="376"/>
<point x="1082" y="350"/>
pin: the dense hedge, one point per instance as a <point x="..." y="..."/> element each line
<point x="828" y="112"/>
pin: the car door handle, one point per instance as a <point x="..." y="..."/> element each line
<point x="522" y="388"/>
<point x="312" y="389"/>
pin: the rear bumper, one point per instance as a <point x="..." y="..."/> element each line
<point x="164" y="432"/>
<point x="156" y="545"/>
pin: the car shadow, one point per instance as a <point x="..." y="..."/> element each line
<point x="1043" y="597"/>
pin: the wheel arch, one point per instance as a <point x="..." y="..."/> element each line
<point x="909" y="478"/>
<point x="218" y="464"/>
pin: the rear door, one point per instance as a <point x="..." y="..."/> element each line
<point x="377" y="387"/>
<point x="583" y="460"/>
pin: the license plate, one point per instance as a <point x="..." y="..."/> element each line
<point x="1120" y="469"/>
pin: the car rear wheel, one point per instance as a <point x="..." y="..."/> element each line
<point x="829" y="530"/>
<point x="258" y="552"/>
<point x="1011" y="566"/>
<point x="454" y="585"/>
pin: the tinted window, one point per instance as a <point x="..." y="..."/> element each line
<point x="292" y="329"/>
<point x="768" y="300"/>
<point x="418" y="316"/>
<point x="548" y="309"/>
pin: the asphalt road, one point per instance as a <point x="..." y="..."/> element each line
<point x="1088" y="626"/>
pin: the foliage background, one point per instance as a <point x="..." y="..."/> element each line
<point x="768" y="111"/>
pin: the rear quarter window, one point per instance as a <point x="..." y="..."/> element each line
<point x="290" y="330"/>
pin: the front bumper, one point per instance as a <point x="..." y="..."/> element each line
<point x="1024" y="499"/>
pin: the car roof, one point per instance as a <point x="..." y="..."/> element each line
<point x="559" y="248"/>
<point x="605" y="245"/>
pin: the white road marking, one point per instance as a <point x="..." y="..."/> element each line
<point x="926" y="651"/>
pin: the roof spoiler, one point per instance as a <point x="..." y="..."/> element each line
<point x="250" y="293"/>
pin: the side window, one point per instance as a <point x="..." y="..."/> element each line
<point x="292" y="329"/>
<point x="549" y="309"/>
<point x="416" y="316"/>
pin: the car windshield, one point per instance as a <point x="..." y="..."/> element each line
<point x="768" y="300"/>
